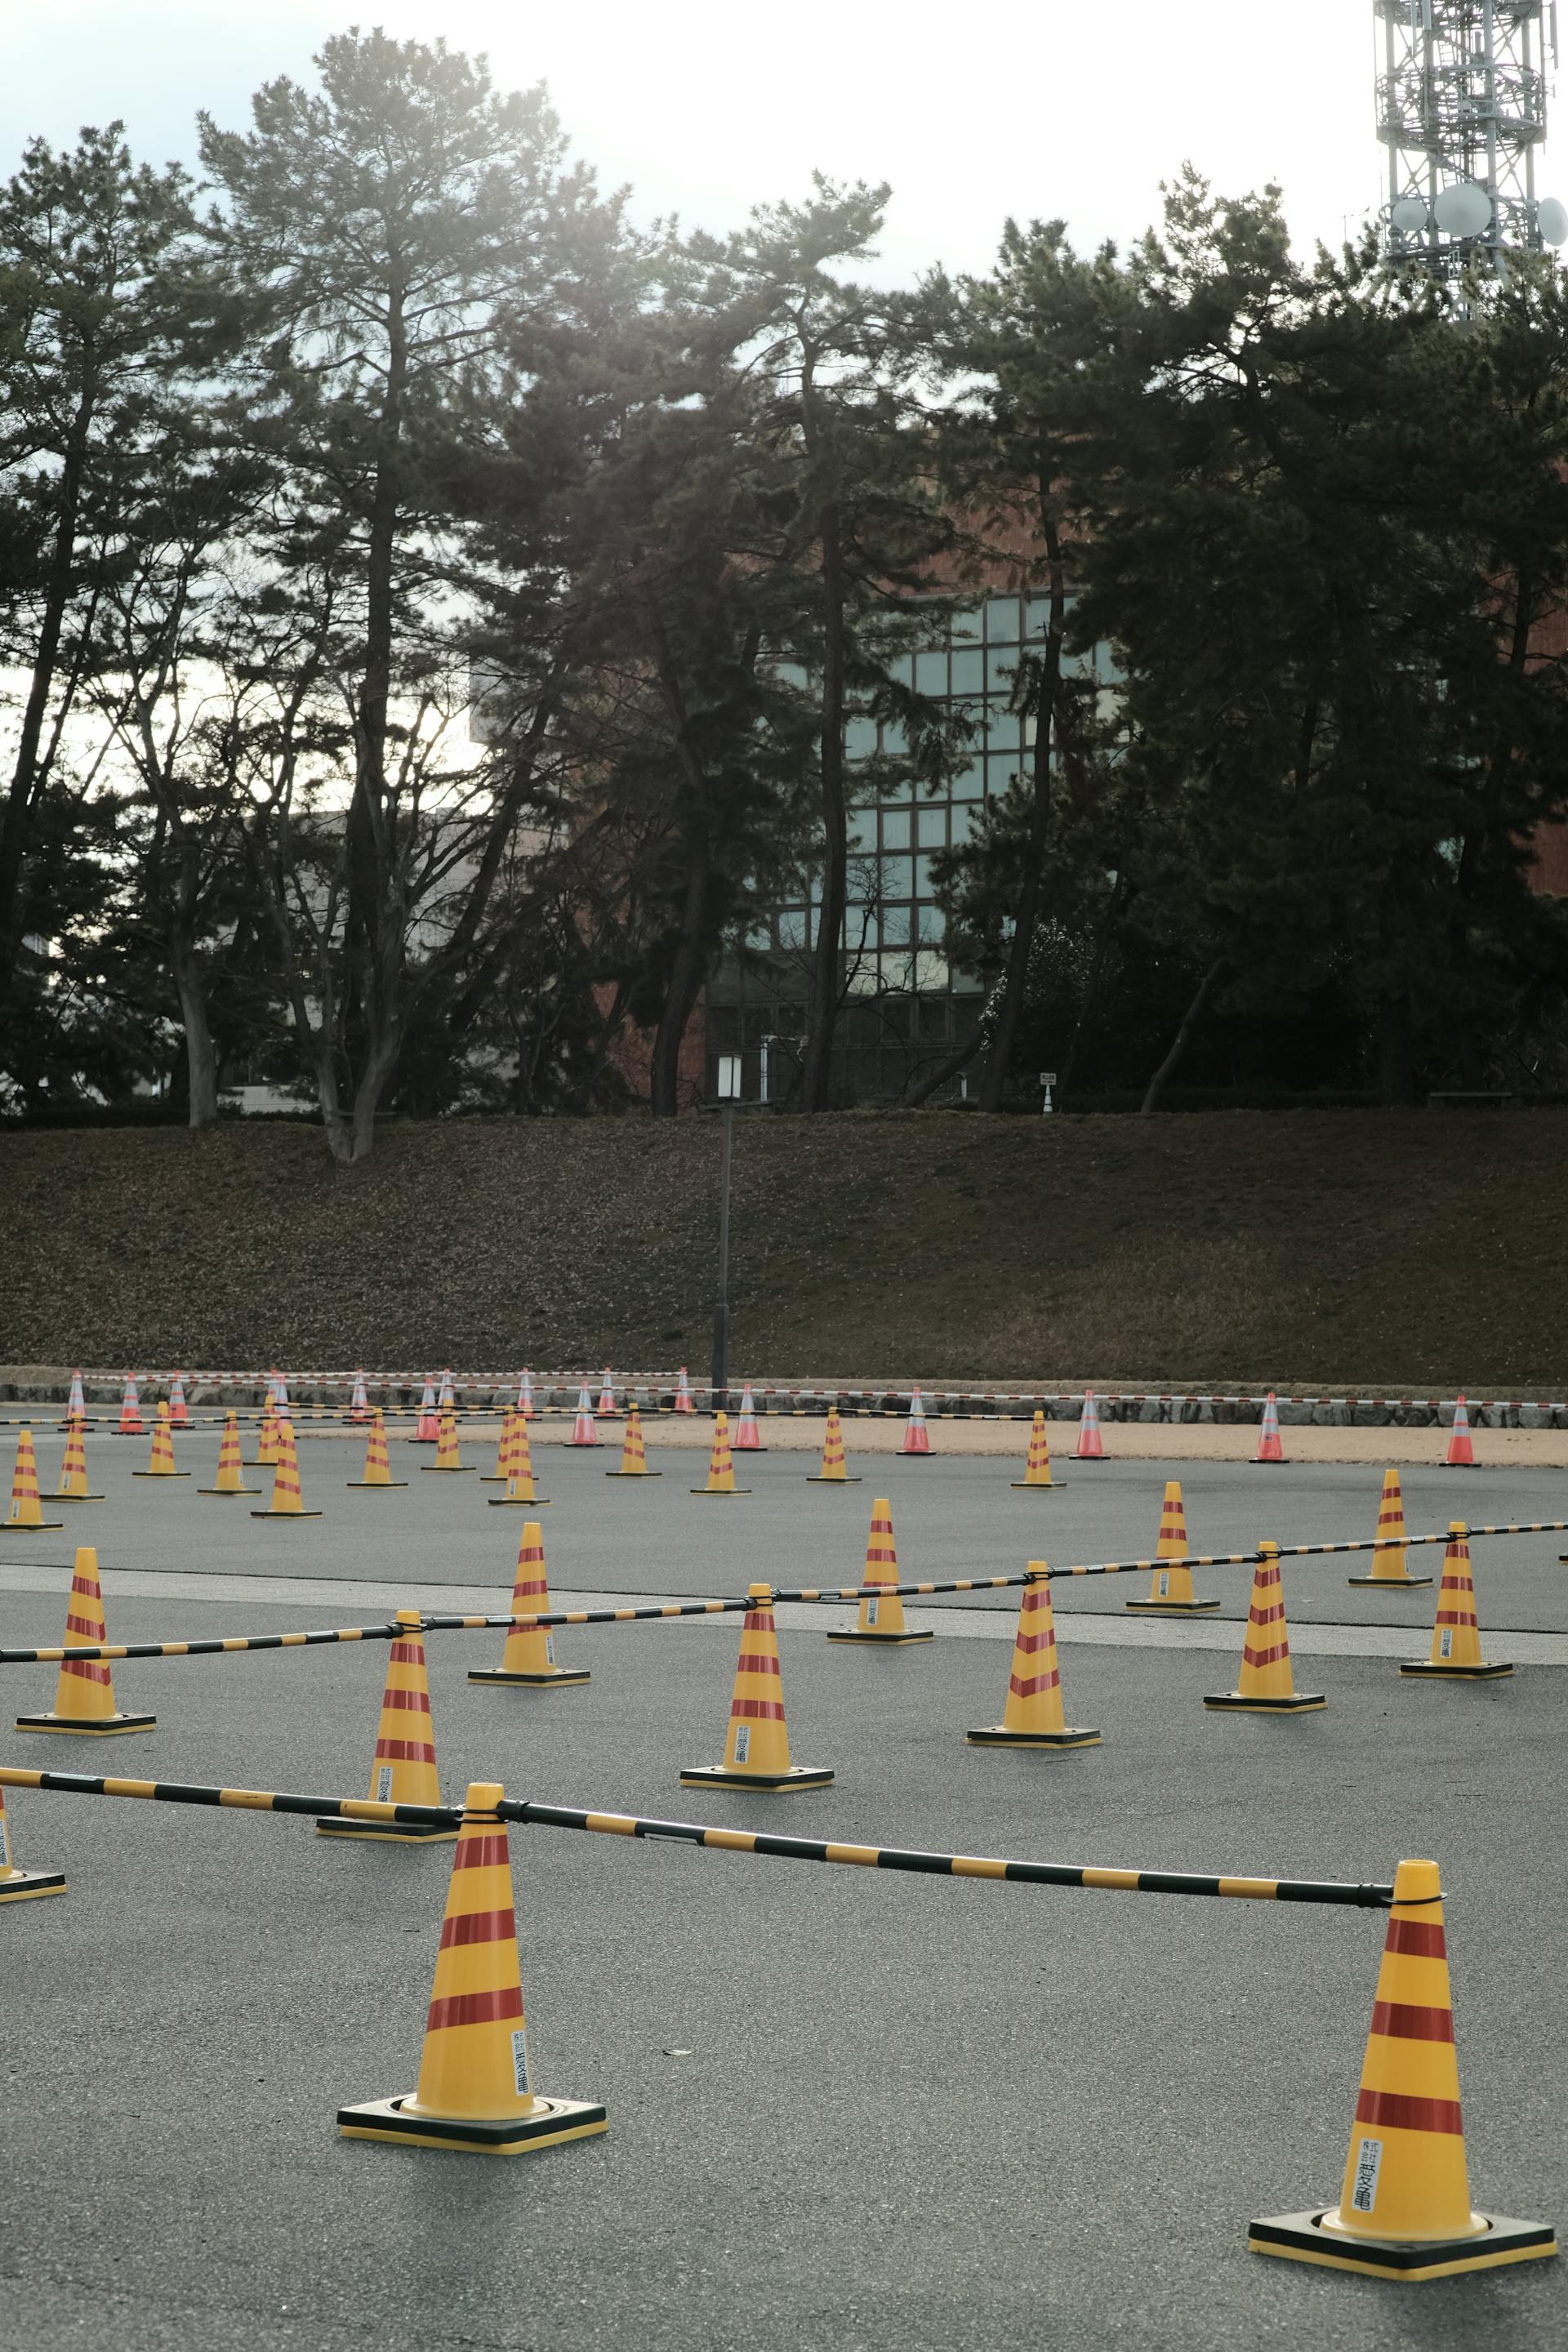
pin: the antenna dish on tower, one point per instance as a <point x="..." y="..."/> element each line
<point x="1461" y="108"/>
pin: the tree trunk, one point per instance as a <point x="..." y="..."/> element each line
<point x="947" y="1068"/>
<point x="827" y="980"/>
<point x="1184" y="1036"/>
<point x="200" y="1061"/>
<point x="685" y="985"/>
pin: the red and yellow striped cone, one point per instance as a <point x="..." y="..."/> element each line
<point x="833" y="1471"/>
<point x="287" y="1501"/>
<point x="403" y="1769"/>
<point x="1171" y="1593"/>
<point x="720" y="1467"/>
<point x="756" y="1752"/>
<point x="634" y="1452"/>
<point x="447" y="1458"/>
<point x="476" y="2083"/>
<point x="1456" y="1634"/>
<point x="501" y="1475"/>
<point x="84" y="1693"/>
<point x="1405" y="2207"/>
<point x="377" y="1468"/>
<point x="161" y="1462"/>
<point x="230" y="1479"/>
<point x="520" y="1480"/>
<point x="1391" y="1565"/>
<point x="1267" y="1687"/>
<point x="1033" y="1716"/>
<point x="16" y="1884"/>
<point x="73" y="1486"/>
<point x="1037" y="1469"/>
<point x="881" y="1617"/>
<point x="27" y="1515"/>
<point x="530" y="1656"/>
<point x="266" y="1437"/>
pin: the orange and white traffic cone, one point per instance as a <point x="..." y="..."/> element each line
<point x="746" y="1439"/>
<point x="377" y="1467"/>
<point x="403" y="1772"/>
<point x="634" y="1452"/>
<point x="1390" y="1562"/>
<point x="447" y="1458"/>
<point x="359" y="1402"/>
<point x="502" y="1471"/>
<point x="476" y="2083"/>
<point x="882" y="1616"/>
<point x="833" y="1471"/>
<point x="682" y="1393"/>
<point x="530" y="1656"/>
<point x="1269" y="1446"/>
<point x="1456" y="1636"/>
<point x="520" y="1476"/>
<point x="16" y="1884"/>
<point x="25" y="1516"/>
<point x="130" y="1411"/>
<point x="606" y="1406"/>
<point x="720" y="1465"/>
<point x="161" y="1462"/>
<point x="582" y="1429"/>
<point x="287" y="1501"/>
<point x="1088" y="1447"/>
<point x="1033" y="1716"/>
<point x="426" y="1428"/>
<point x="1171" y="1593"/>
<point x="1037" y="1468"/>
<point x="917" y="1438"/>
<point x="525" y="1395"/>
<point x="230" y="1480"/>
<point x="1461" y="1454"/>
<point x="756" y="1752"/>
<point x="76" y="1405"/>
<point x="1405" y="2205"/>
<point x="1267" y="1685"/>
<point x="179" y="1413"/>
<point x="73" y="1486"/>
<point x="84" y="1692"/>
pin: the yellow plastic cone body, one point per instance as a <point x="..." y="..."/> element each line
<point x="229" y="1479"/>
<point x="833" y="1463"/>
<point x="529" y="1649"/>
<point x="16" y="1884"/>
<point x="403" y="1769"/>
<point x="634" y="1452"/>
<point x="1455" y="1635"/>
<point x="1037" y="1469"/>
<point x="377" y="1468"/>
<point x="287" y="1501"/>
<point x="73" y="1469"/>
<point x="26" y="1509"/>
<point x="84" y="1692"/>
<point x="720" y="1466"/>
<point x="520" y="1481"/>
<point x="1035" y="1685"/>
<point x="1265" y="1651"/>
<point x="504" y="1449"/>
<point x="267" y="1441"/>
<point x="1174" y="1583"/>
<point x="881" y="1612"/>
<point x="475" y="2063"/>
<point x="1405" y="2176"/>
<point x="161" y="1462"/>
<point x="448" y="1457"/>
<point x="758" y="1737"/>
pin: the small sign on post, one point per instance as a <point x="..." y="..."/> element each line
<point x="729" y="1086"/>
<point x="1047" y="1080"/>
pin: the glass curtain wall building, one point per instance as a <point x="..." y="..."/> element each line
<point x="907" y="1004"/>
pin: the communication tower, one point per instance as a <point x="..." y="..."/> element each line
<point x="1461" y="107"/>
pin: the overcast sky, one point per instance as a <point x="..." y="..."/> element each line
<point x="1037" y="107"/>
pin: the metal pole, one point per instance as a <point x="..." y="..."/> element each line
<point x="720" y="1397"/>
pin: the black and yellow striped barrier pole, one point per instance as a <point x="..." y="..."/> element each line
<point x="754" y="1841"/>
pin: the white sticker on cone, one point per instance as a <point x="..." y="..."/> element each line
<point x="1165" y="1582"/>
<point x="550" y="1649"/>
<point x="520" y="2062"/>
<point x="384" y="1784"/>
<point x="1446" y="1642"/>
<point x="5" y="1848"/>
<point x="742" y="1743"/>
<point x="871" y="1607"/>
<point x="1368" y="2162"/>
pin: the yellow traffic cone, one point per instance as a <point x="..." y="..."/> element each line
<point x="529" y="1654"/>
<point x="447" y="1458"/>
<point x="1267" y="1685"/>
<point x="287" y="1501"/>
<point x="162" y="1463"/>
<point x="634" y="1452"/>
<point x="230" y="1480"/>
<point x="84" y="1691"/>
<point x="403" y="1769"/>
<point x="720" y="1467"/>
<point x="267" y="1447"/>
<point x="377" y="1468"/>
<point x="1405" y="2206"/>
<point x="1037" y="1469"/>
<point x="1032" y="1716"/>
<point x="27" y="1515"/>
<point x="476" y="2084"/>
<point x="520" y="1478"/>
<point x="1171" y="1593"/>
<point x="72" y="1487"/>
<point x="502" y="1474"/>
<point x="16" y="1884"/>
<point x="833" y="1471"/>
<point x="1391" y="1565"/>
<point x="756" y="1752"/>
<point x="1455" y="1635"/>
<point x="881" y="1617"/>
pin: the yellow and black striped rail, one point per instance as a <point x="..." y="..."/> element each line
<point x="754" y="1841"/>
<point x="218" y="1645"/>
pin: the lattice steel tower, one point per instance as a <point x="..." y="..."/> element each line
<point x="1461" y="107"/>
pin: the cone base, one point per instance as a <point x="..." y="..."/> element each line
<point x="888" y="1640"/>
<point x="635" y="1474"/>
<point x="1444" y="1672"/>
<point x="73" y="1499"/>
<point x="550" y="2121"/>
<point x="1019" y="1486"/>
<point x="1390" y="1583"/>
<point x="816" y="1478"/>
<point x="445" y="1469"/>
<point x="736" y="1447"/>
<point x="729" y="1493"/>
<point x="104" y="1728"/>
<point x="517" y="1502"/>
<point x="285" y="1515"/>
<point x="1267" y="1461"/>
<point x="1234" y="1702"/>
<point x="722" y="1776"/>
<point x="24" y="1885"/>
<point x="913" y="1454"/>
<point x="530" y="1682"/>
<point x="159" y="1474"/>
<point x="370" y="1485"/>
<point x="1085" y="1457"/>
<point x="1169" y="1607"/>
<point x="996" y="1735"/>
<point x="37" y="1527"/>
<point x="1446" y="1464"/>
<point x="1301" y="2238"/>
<point x="336" y="1825"/>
